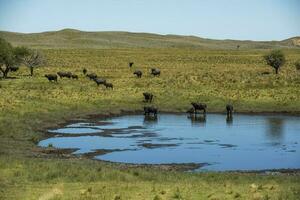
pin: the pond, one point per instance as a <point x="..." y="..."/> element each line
<point x="246" y="142"/>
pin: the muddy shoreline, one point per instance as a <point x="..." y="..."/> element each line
<point x="94" y="119"/>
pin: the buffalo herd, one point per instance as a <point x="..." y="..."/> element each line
<point x="148" y="97"/>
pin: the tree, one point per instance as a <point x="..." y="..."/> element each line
<point x="30" y="58"/>
<point x="275" y="59"/>
<point x="10" y="58"/>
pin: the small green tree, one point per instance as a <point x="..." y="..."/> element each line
<point x="275" y="59"/>
<point x="30" y="58"/>
<point x="7" y="60"/>
<point x="297" y="65"/>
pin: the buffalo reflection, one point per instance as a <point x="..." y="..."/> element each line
<point x="197" y="119"/>
<point x="274" y="129"/>
<point x="150" y="119"/>
<point x="229" y="120"/>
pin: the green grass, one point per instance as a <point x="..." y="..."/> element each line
<point x="29" y="105"/>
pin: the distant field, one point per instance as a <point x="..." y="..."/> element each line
<point x="216" y="77"/>
<point x="70" y="38"/>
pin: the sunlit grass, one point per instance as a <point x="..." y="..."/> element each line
<point x="30" y="104"/>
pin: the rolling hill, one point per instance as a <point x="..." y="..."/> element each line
<point x="70" y="38"/>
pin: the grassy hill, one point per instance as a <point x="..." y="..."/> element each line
<point x="70" y="38"/>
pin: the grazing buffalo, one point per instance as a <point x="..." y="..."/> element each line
<point x="109" y="85"/>
<point x="155" y="72"/>
<point x="148" y="97"/>
<point x="131" y="64"/>
<point x="99" y="81"/>
<point x="199" y="106"/>
<point x="74" y="76"/>
<point x="138" y="73"/>
<point x="13" y="68"/>
<point x="92" y="76"/>
<point x="51" y="77"/>
<point x="148" y="110"/>
<point x="229" y="109"/>
<point x="84" y="71"/>
<point x="64" y="74"/>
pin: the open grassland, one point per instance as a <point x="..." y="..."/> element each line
<point x="71" y="38"/>
<point x="30" y="104"/>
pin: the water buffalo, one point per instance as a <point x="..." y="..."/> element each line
<point x="148" y="97"/>
<point x="92" y="76"/>
<point x="84" y="71"/>
<point x="131" y="64"/>
<point x="108" y="85"/>
<point x="74" y="76"/>
<point x="138" y="73"/>
<point x="150" y="110"/>
<point x="199" y="106"/>
<point x="13" y="68"/>
<point x="229" y="109"/>
<point x="51" y="77"/>
<point x="99" y="81"/>
<point x="64" y="74"/>
<point x="155" y="72"/>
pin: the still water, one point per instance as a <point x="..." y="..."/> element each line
<point x="247" y="142"/>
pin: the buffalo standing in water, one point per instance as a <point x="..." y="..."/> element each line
<point x="199" y="106"/>
<point x="148" y="110"/>
<point x="229" y="109"/>
<point x="155" y="72"/>
<point x="138" y="73"/>
<point x="51" y="77"/>
<point x="64" y="74"/>
<point x="131" y="64"/>
<point x="148" y="97"/>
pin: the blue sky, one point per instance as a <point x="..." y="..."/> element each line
<point x="216" y="19"/>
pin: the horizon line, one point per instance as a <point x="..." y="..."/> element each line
<point x="153" y="33"/>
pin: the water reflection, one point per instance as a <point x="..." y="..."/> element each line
<point x="275" y="128"/>
<point x="255" y="142"/>
<point x="197" y="119"/>
<point x="229" y="120"/>
<point x="150" y="120"/>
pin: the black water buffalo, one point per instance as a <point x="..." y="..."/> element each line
<point x="51" y="77"/>
<point x="99" y="81"/>
<point x="131" y="64"/>
<point x="108" y="85"/>
<point x="64" y="74"/>
<point x="148" y="110"/>
<point x="148" y="97"/>
<point x="199" y="106"/>
<point x="92" y="76"/>
<point x="155" y="72"/>
<point x="84" y="71"/>
<point x="74" y="76"/>
<point x="229" y="109"/>
<point x="138" y="73"/>
<point x="13" y="68"/>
